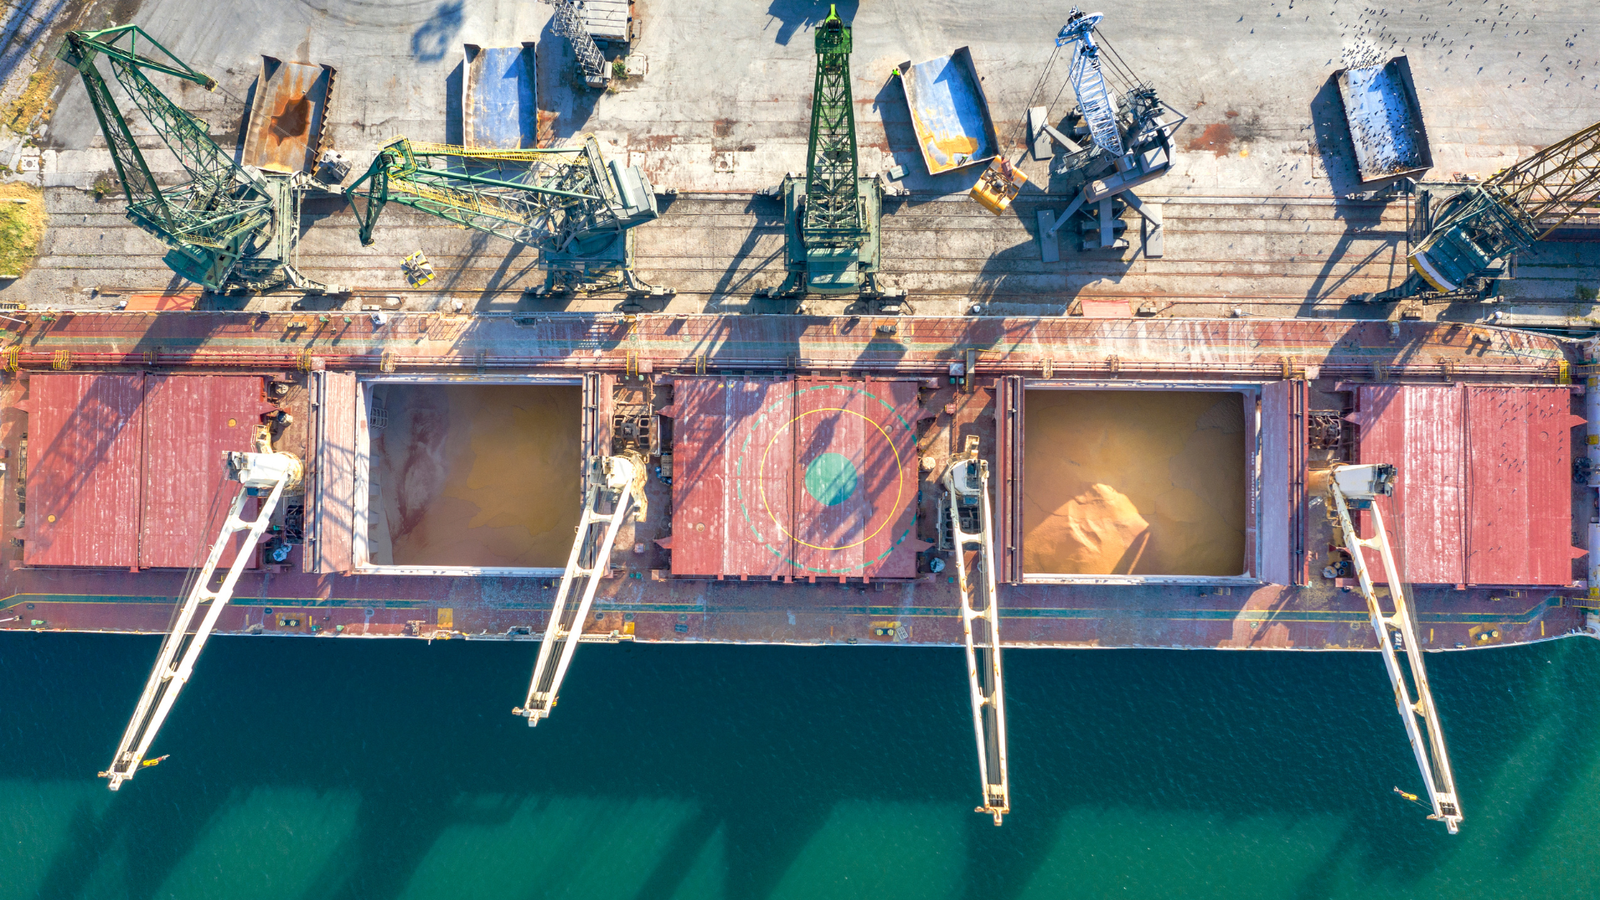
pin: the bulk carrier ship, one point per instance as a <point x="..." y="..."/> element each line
<point x="861" y="455"/>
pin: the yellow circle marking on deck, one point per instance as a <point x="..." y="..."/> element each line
<point x="232" y="422"/>
<point x="900" y="480"/>
<point x="49" y="518"/>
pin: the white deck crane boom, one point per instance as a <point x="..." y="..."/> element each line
<point x="967" y="483"/>
<point x="268" y="475"/>
<point x="615" y="483"/>
<point x="1357" y="486"/>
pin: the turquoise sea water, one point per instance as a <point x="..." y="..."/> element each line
<point x="393" y="769"/>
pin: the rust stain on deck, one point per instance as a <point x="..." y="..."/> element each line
<point x="1216" y="138"/>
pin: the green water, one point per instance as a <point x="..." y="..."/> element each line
<point x="394" y="769"/>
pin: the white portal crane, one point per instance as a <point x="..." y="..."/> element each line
<point x="1356" y="486"/>
<point x="615" y="483"/>
<point x="1089" y="82"/>
<point x="266" y="474"/>
<point x="967" y="482"/>
<point x="1131" y="133"/>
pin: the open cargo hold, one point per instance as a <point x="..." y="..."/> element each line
<point x="452" y="477"/>
<point x="499" y="108"/>
<point x="949" y="112"/>
<point x="284" y="133"/>
<point x="1385" y="120"/>
<point x="1162" y="483"/>
<point x="1135" y="483"/>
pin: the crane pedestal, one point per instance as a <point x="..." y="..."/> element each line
<point x="831" y="267"/>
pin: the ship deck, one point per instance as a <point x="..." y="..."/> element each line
<point x="621" y="358"/>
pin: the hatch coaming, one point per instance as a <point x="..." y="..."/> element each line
<point x="1147" y="500"/>
<point x="458" y="476"/>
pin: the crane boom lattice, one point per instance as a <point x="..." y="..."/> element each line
<point x="1089" y="82"/>
<point x="228" y="227"/>
<point x="833" y="196"/>
<point x="832" y="219"/>
<point x="1131" y="140"/>
<point x="565" y="202"/>
<point x="569" y="24"/>
<point x="1478" y="229"/>
<point x="1555" y="184"/>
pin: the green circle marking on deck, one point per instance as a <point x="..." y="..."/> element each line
<point x="831" y="479"/>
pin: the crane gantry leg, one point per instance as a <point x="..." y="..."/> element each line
<point x="967" y="482"/>
<point x="614" y="484"/>
<point x="271" y="472"/>
<point x="1396" y="629"/>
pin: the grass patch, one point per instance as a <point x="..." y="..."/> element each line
<point x="21" y="226"/>
<point x="33" y="103"/>
<point x="104" y="186"/>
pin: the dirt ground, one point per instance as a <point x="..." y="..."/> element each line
<point x="479" y="475"/>
<point x="1134" y="483"/>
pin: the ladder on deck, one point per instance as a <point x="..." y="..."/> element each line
<point x="1396" y="630"/>
<point x="971" y="527"/>
<point x="570" y="25"/>
<point x="271" y="472"/>
<point x="614" y="482"/>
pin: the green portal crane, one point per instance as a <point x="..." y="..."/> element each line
<point x="831" y="221"/>
<point x="565" y="202"/>
<point x="229" y="227"/>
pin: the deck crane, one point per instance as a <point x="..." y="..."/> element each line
<point x="1477" y="230"/>
<point x="1130" y="131"/>
<point x="229" y="227"/>
<point x="966" y="484"/>
<point x="565" y="202"/>
<point x="833" y="218"/>
<point x="266" y="475"/>
<point x="616" y="489"/>
<point x="1356" y="487"/>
